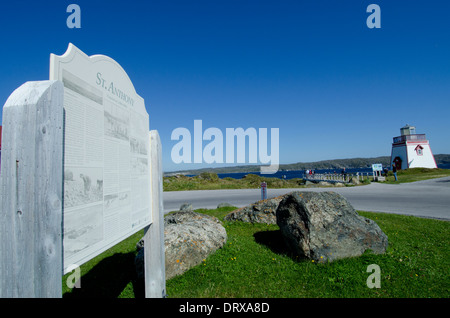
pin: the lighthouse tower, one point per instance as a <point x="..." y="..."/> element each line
<point x="411" y="150"/>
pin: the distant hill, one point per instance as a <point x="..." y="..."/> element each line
<point x="441" y="160"/>
<point x="338" y="163"/>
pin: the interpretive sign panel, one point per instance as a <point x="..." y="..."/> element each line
<point x="377" y="167"/>
<point x="106" y="155"/>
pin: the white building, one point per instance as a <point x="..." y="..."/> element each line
<point x="411" y="150"/>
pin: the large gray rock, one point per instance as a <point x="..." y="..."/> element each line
<point x="263" y="211"/>
<point x="323" y="226"/>
<point x="189" y="237"/>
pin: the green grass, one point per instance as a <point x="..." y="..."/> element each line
<point x="255" y="263"/>
<point x="211" y="181"/>
<point x="110" y="274"/>
<point x="417" y="174"/>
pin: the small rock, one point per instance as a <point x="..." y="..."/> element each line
<point x="263" y="211"/>
<point x="186" y="207"/>
<point x="189" y="238"/>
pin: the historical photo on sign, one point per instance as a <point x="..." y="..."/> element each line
<point x="79" y="86"/>
<point x="117" y="122"/>
<point x="82" y="185"/>
<point x="138" y="146"/>
<point x="114" y="203"/>
<point x="139" y="166"/>
<point x="139" y="128"/>
<point x="82" y="228"/>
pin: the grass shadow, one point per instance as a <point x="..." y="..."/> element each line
<point x="109" y="278"/>
<point x="273" y="240"/>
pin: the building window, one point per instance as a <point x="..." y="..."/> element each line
<point x="419" y="150"/>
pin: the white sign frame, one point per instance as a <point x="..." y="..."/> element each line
<point x="107" y="177"/>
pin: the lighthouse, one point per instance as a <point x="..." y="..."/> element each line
<point x="411" y="150"/>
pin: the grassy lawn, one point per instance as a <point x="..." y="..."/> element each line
<point x="255" y="263"/>
<point x="210" y="181"/>
<point x="417" y="174"/>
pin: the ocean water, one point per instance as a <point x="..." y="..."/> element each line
<point x="294" y="173"/>
<point x="301" y="173"/>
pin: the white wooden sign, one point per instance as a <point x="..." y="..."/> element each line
<point x="106" y="155"/>
<point x="80" y="172"/>
<point x="377" y="167"/>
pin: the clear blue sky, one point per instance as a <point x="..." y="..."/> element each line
<point x="313" y="69"/>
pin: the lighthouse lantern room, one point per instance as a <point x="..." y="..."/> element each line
<point x="411" y="150"/>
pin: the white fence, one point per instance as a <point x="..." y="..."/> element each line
<point x="335" y="177"/>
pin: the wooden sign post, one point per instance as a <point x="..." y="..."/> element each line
<point x="79" y="174"/>
<point x="32" y="191"/>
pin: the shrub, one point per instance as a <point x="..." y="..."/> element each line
<point x="209" y="176"/>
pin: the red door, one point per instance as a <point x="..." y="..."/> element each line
<point x="398" y="163"/>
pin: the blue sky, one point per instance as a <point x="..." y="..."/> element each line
<point x="313" y="69"/>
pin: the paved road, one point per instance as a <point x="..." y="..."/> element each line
<point x="429" y="198"/>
